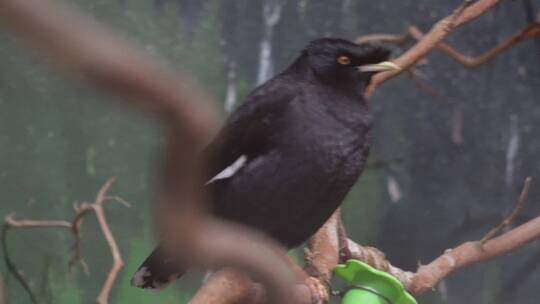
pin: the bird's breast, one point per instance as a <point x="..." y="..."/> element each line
<point x="330" y="137"/>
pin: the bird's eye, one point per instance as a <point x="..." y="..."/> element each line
<point x="344" y="60"/>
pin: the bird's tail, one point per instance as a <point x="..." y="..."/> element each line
<point x="156" y="272"/>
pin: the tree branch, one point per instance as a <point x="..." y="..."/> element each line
<point x="86" y="208"/>
<point x="419" y="282"/>
<point x="12" y="268"/>
<point x="508" y="220"/>
<point x="466" y="12"/>
<point x="88" y="51"/>
<point x="466" y="254"/>
<point x="531" y="31"/>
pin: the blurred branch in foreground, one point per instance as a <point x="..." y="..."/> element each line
<point x="466" y="254"/>
<point x="86" y="50"/>
<point x="103" y="59"/>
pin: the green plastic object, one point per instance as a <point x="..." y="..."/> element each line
<point x="368" y="285"/>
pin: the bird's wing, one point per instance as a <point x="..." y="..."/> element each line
<point x="248" y="131"/>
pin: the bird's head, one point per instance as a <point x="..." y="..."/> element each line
<point x="339" y="61"/>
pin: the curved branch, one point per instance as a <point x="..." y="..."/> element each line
<point x="12" y="268"/>
<point x="118" y="263"/>
<point x="101" y="58"/>
<point x="531" y="31"/>
<point x="466" y="12"/>
<point x="74" y="226"/>
<point x="453" y="260"/>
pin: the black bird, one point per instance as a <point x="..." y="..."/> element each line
<point x="288" y="156"/>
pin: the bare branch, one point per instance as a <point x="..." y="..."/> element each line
<point x="473" y="252"/>
<point x="30" y="224"/>
<point x="428" y="276"/>
<point x="531" y="31"/>
<point x="101" y="58"/>
<point x="508" y="220"/>
<point x="377" y="259"/>
<point x="466" y="12"/>
<point x="384" y="38"/>
<point x="314" y="290"/>
<point x="74" y="226"/>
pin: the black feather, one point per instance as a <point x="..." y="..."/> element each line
<point x="304" y="136"/>
<point x="157" y="271"/>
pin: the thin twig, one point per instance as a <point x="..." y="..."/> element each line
<point x="118" y="263"/>
<point x="531" y="31"/>
<point x="103" y="59"/>
<point x="12" y="268"/>
<point x="467" y="11"/>
<point x="81" y="211"/>
<point x="425" y="86"/>
<point x="76" y="255"/>
<point x="29" y="224"/>
<point x="10" y="223"/>
<point x="419" y="282"/>
<point x="119" y="200"/>
<point x="384" y="38"/>
<point x="413" y="33"/>
<point x="510" y="218"/>
<point x="88" y="51"/>
<point x="428" y="276"/>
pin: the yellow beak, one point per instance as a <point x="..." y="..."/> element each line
<point x="379" y="67"/>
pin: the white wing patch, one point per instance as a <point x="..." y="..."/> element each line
<point x="230" y="170"/>
<point x="393" y="189"/>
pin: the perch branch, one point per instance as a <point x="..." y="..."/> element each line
<point x="86" y="208"/>
<point x="322" y="256"/>
<point x="29" y="224"/>
<point x="118" y="263"/>
<point x="434" y="39"/>
<point x="453" y="260"/>
<point x="322" y="253"/>
<point x="103" y="59"/>
<point x="466" y="254"/>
